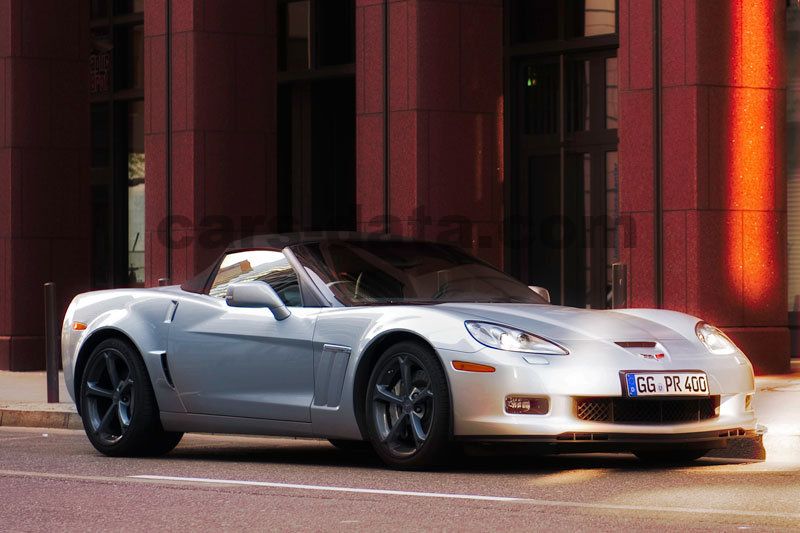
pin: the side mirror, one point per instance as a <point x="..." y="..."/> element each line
<point x="256" y="294"/>
<point x="541" y="291"/>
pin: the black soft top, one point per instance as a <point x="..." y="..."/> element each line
<point x="279" y="241"/>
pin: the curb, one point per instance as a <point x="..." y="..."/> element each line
<point x="55" y="416"/>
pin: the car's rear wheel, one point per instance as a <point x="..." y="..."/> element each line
<point x="670" y="456"/>
<point x="408" y="407"/>
<point x="118" y="406"/>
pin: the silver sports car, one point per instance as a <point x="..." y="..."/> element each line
<point x="410" y="347"/>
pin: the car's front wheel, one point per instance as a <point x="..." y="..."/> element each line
<point x="408" y="407"/>
<point x="118" y="406"/>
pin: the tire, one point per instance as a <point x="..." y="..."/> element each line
<point x="670" y="457"/>
<point x="351" y="446"/>
<point x="408" y="408"/>
<point x="118" y="406"/>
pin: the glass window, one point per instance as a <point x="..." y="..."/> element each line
<point x="593" y="17"/>
<point x="295" y="26"/>
<point x="268" y="266"/>
<point x="563" y="117"/>
<point x="335" y="32"/>
<point x="101" y="142"/>
<point x="588" y="229"/>
<point x="549" y="20"/>
<point x="122" y="7"/>
<point x="385" y="272"/>
<point x="583" y="85"/>
<point x="116" y="92"/>
<point x="534" y="21"/>
<point x="577" y="96"/>
<point x="541" y="99"/>
<point x="540" y="241"/>
<point x="100" y="63"/>
<point x="612" y="212"/>
<point x="316" y="114"/>
<point x="136" y="201"/>
<point x="99" y="8"/>
<point x="129" y="56"/>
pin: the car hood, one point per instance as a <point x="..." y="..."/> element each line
<point x="572" y="324"/>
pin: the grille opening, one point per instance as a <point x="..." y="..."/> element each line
<point x="636" y="344"/>
<point x="738" y="432"/>
<point x="650" y="411"/>
<point x="582" y="436"/>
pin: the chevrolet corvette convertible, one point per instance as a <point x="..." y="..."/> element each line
<point x="408" y="347"/>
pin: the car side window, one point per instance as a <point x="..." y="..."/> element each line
<point x="268" y="266"/>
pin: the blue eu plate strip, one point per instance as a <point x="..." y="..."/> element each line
<point x="631" y="384"/>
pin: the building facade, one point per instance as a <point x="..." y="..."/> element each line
<point x="553" y="138"/>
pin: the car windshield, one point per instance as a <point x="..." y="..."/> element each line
<point x="404" y="272"/>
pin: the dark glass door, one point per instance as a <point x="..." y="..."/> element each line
<point x="562" y="208"/>
<point x="316" y="115"/>
<point x="316" y="144"/>
<point x="116" y="92"/>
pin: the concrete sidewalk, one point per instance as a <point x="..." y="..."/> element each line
<point x="777" y="404"/>
<point x="23" y="403"/>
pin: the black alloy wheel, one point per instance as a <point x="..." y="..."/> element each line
<point x="408" y="407"/>
<point x="118" y="406"/>
<point x="109" y="396"/>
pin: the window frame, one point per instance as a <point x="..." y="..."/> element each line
<point x="597" y="141"/>
<point x="315" y="70"/>
<point x="111" y="269"/>
<point x="564" y="41"/>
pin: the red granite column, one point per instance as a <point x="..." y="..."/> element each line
<point x="223" y="128"/>
<point x="44" y="168"/>
<point x="636" y="148"/>
<point x="445" y="120"/>
<point x="723" y="114"/>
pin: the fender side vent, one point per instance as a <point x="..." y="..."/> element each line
<point x="165" y="368"/>
<point x="330" y="367"/>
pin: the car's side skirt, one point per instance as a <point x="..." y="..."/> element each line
<point x="230" y="424"/>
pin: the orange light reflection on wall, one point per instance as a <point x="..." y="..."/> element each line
<point x="752" y="159"/>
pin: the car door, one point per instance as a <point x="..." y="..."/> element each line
<point x="244" y="362"/>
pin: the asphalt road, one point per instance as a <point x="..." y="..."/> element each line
<point x="54" y="480"/>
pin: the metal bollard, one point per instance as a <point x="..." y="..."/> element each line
<point x="619" y="290"/>
<point x="52" y="334"/>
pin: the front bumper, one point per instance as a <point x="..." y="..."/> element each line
<point x="605" y="442"/>
<point x="479" y="413"/>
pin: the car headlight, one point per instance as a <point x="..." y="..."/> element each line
<point x="511" y="339"/>
<point x="714" y="340"/>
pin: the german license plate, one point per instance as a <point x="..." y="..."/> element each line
<point x="638" y="384"/>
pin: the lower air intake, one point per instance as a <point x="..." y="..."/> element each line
<point x="636" y="411"/>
